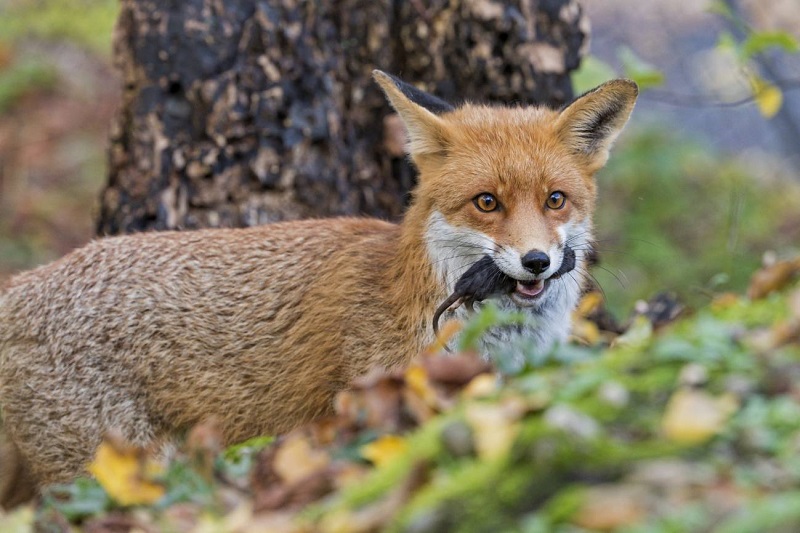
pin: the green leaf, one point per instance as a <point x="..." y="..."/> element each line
<point x="80" y="499"/>
<point x="591" y="73"/>
<point x="779" y="512"/>
<point x="638" y="70"/>
<point x="720" y="7"/>
<point x="759" y="42"/>
<point x="727" y="42"/>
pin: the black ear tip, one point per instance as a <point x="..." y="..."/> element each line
<point x="378" y="74"/>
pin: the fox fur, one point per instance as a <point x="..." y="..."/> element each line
<point x="149" y="334"/>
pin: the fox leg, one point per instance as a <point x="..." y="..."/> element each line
<point x="56" y="415"/>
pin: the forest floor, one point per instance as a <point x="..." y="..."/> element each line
<point x="685" y="422"/>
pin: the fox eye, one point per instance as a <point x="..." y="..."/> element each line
<point x="556" y="200"/>
<point x="485" y="202"/>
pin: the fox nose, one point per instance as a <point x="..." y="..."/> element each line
<point x="536" y="261"/>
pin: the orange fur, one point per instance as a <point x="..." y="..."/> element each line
<point x="149" y="334"/>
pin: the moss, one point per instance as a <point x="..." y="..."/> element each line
<point x="88" y="23"/>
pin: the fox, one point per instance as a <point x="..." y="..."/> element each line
<point x="149" y="334"/>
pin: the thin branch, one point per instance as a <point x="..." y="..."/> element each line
<point x="697" y="100"/>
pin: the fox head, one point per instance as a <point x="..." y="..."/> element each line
<point x="514" y="183"/>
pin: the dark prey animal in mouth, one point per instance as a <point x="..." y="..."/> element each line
<point x="483" y="280"/>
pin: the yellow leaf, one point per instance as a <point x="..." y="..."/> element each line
<point x="446" y="333"/>
<point x="126" y="474"/>
<point x="296" y="460"/>
<point x="494" y="428"/>
<point x="481" y="386"/>
<point x="417" y="380"/>
<point x="768" y="97"/>
<point x="638" y="333"/>
<point x="590" y="303"/>
<point x="586" y="331"/>
<point x="384" y="450"/>
<point x="694" y="416"/>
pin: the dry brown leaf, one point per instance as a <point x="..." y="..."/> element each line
<point x="296" y="460"/>
<point x="724" y="301"/>
<point x="456" y="369"/>
<point x="794" y="303"/>
<point x="203" y="444"/>
<point x="608" y="507"/>
<point x="375" y="516"/>
<point x="772" y="278"/>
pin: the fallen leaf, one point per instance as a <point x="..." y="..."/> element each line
<point x="772" y="278"/>
<point x="586" y="331"/>
<point x="608" y="507"/>
<point x="418" y="382"/>
<point x="296" y="459"/>
<point x="724" y="301"/>
<point x="20" y="520"/>
<point x="384" y="450"/>
<point x="590" y="303"/>
<point x="638" y="334"/>
<point x="456" y="369"/>
<point x="481" y="386"/>
<point x="694" y="416"/>
<point x="376" y="516"/>
<point x="446" y="333"/>
<point x="794" y="303"/>
<point x="494" y="429"/>
<point x="203" y="444"/>
<point x="126" y="473"/>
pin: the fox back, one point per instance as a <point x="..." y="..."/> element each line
<point x="149" y="334"/>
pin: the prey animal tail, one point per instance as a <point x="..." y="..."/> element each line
<point x="453" y="302"/>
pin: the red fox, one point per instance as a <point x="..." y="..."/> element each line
<point x="149" y="334"/>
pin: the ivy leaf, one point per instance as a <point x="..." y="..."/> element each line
<point x="757" y="43"/>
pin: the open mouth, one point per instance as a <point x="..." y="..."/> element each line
<point x="530" y="290"/>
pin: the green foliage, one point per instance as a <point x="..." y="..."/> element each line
<point x="238" y="459"/>
<point x="591" y="73"/>
<point x="672" y="216"/>
<point x="644" y="74"/>
<point x="21" y="78"/>
<point x="76" y="501"/>
<point x="88" y="23"/>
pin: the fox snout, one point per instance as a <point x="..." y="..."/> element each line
<point x="536" y="261"/>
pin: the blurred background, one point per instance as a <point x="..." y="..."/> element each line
<point x="696" y="192"/>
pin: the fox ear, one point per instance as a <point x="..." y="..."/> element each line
<point x="427" y="132"/>
<point x="591" y="124"/>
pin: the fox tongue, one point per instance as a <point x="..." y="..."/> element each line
<point x="530" y="288"/>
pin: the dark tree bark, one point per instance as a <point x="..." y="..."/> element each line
<point x="240" y="112"/>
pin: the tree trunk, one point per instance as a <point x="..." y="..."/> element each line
<point x="242" y="112"/>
